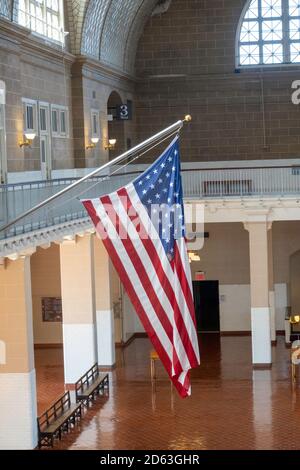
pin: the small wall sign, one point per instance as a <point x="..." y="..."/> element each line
<point x="52" y="309"/>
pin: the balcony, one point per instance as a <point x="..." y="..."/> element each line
<point x="228" y="183"/>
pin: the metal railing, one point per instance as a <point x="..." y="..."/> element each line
<point x="16" y="199"/>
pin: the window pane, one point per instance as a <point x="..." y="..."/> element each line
<point x="42" y="16"/>
<point x="272" y="53"/>
<point x="271" y="8"/>
<point x="43" y="151"/>
<point x="43" y="123"/>
<point x="63" y="122"/>
<point x="95" y="124"/>
<point x="295" y="52"/>
<point x="294" y="8"/>
<point x="253" y="10"/>
<point x="249" y="54"/>
<point x="295" y="29"/>
<point x="272" y="30"/>
<point x="29" y="117"/>
<point x="249" y="31"/>
<point x="54" y="121"/>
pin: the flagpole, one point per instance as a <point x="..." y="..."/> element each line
<point x="151" y="140"/>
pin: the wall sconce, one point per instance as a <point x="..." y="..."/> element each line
<point x="94" y="141"/>
<point x="111" y="144"/>
<point x="193" y="256"/>
<point x="29" y="137"/>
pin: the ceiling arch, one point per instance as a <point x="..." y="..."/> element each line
<point x="107" y="30"/>
<point x="111" y="30"/>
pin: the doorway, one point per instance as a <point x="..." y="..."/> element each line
<point x="207" y="308"/>
<point x="45" y="141"/>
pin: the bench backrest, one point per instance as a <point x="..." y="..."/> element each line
<point x="87" y="379"/>
<point x="55" y="411"/>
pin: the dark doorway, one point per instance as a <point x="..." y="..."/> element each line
<point x="206" y="299"/>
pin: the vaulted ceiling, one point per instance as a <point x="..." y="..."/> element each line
<point x="109" y="30"/>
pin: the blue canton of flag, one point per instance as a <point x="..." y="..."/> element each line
<point x="160" y="190"/>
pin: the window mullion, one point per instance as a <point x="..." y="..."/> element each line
<point x="261" y="57"/>
<point x="286" y="31"/>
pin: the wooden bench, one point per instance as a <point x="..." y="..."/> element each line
<point x="90" y="385"/>
<point x="56" y="419"/>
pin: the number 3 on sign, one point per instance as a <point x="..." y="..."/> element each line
<point x="124" y="111"/>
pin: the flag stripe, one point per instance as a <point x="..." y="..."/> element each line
<point x="152" y="260"/>
<point x="157" y="257"/>
<point x="177" y="298"/>
<point x="129" y="286"/>
<point x="139" y="289"/>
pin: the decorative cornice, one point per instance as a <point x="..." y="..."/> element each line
<point x="104" y="71"/>
<point x="19" y="245"/>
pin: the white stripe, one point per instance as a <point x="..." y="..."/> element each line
<point x="180" y="297"/>
<point x="153" y="277"/>
<point x="181" y="245"/>
<point x="130" y="269"/>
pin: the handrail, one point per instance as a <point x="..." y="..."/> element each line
<point x="155" y="139"/>
<point x="136" y="172"/>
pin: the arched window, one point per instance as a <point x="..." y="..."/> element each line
<point x="269" y="33"/>
<point x="44" y="17"/>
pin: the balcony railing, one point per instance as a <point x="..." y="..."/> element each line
<point x="244" y="182"/>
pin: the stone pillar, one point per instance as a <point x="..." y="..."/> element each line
<point x="104" y="308"/>
<point x="271" y="288"/>
<point x="78" y="305"/>
<point x="18" y="409"/>
<point x="259" y="280"/>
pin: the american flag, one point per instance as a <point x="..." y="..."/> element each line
<point x="142" y="227"/>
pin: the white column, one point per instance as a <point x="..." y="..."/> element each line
<point x="78" y="304"/>
<point x="259" y="279"/>
<point x="104" y="309"/>
<point x="271" y="288"/>
<point x="18" y="408"/>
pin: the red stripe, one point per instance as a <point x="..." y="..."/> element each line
<point x="117" y="262"/>
<point x="165" y="283"/>
<point x="183" y="390"/>
<point x="140" y="270"/>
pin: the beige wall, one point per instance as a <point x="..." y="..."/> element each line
<point x="225" y="254"/>
<point x="78" y="280"/>
<point x="16" y="315"/>
<point x="45" y="279"/>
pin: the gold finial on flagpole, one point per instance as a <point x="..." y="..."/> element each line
<point x="187" y="118"/>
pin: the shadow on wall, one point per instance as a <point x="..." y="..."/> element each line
<point x="295" y="282"/>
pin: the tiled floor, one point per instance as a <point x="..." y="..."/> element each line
<point x="232" y="406"/>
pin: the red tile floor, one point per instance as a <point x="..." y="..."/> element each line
<point x="232" y="406"/>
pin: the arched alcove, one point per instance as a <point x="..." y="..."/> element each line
<point x="115" y="127"/>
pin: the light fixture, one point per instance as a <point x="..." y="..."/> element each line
<point x="111" y="144"/>
<point x="294" y="319"/>
<point x="94" y="142"/>
<point x="29" y="137"/>
<point x="193" y="256"/>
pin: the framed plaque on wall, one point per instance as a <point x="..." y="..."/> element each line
<point x="52" y="309"/>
